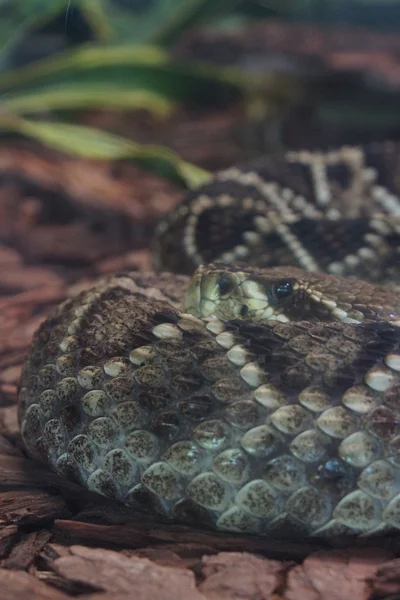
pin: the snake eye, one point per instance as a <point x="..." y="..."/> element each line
<point x="282" y="289"/>
<point x="225" y="285"/>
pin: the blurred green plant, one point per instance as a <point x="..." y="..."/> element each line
<point x="127" y="66"/>
<point x="124" y="63"/>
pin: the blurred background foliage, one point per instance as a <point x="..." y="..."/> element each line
<point x="62" y="59"/>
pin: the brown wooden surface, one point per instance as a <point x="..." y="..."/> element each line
<point x="58" y="541"/>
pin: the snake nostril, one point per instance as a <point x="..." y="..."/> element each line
<point x="244" y="310"/>
<point x="225" y="285"/>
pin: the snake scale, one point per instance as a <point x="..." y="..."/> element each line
<point x="270" y="403"/>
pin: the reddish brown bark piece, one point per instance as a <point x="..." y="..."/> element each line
<point x="7" y="448"/>
<point x="8" y="257"/>
<point x="22" y="476"/>
<point x="237" y="576"/>
<point x="174" y="555"/>
<point x="26" y="550"/>
<point x="139" y="260"/>
<point x="30" y="507"/>
<point x="160" y="556"/>
<point x="387" y="580"/>
<point x="6" y="537"/>
<point x="12" y="374"/>
<point x="131" y="577"/>
<point x="20" y="316"/>
<point x="17" y="585"/>
<point x="62" y="209"/>
<point x="125" y="536"/>
<point x="335" y="575"/>
<point x="21" y="279"/>
<point x="8" y="417"/>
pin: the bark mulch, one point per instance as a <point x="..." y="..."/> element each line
<point x="58" y="541"/>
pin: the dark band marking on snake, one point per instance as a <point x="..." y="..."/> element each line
<point x="273" y="408"/>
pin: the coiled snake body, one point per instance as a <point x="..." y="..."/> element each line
<point x="273" y="407"/>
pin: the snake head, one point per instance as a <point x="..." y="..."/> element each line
<point x="230" y="292"/>
<point x="286" y="294"/>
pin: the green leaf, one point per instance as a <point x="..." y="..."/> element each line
<point x="121" y="76"/>
<point x="94" y="14"/>
<point x="82" y="96"/>
<point x="85" y="58"/>
<point x="95" y="144"/>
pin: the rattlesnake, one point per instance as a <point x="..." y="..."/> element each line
<point x="273" y="408"/>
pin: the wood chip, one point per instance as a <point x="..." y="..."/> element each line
<point x="335" y="575"/>
<point x="17" y="585"/>
<point x="7" y="533"/>
<point x="387" y="580"/>
<point x="29" y="507"/>
<point x="26" y="550"/>
<point x="237" y="576"/>
<point x="113" y="572"/>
